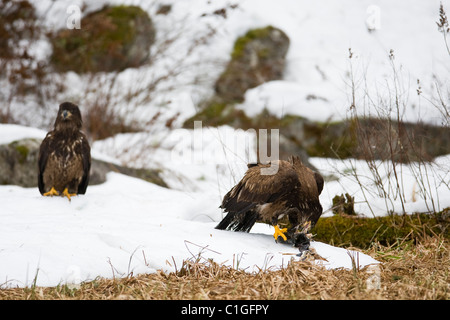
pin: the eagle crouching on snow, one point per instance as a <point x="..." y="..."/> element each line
<point x="288" y="200"/>
<point x="64" y="156"/>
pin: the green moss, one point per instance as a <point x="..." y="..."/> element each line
<point x="241" y="42"/>
<point x="121" y="17"/>
<point x="345" y="230"/>
<point x="335" y="139"/>
<point x="211" y="114"/>
<point x="344" y="204"/>
<point x="102" y="41"/>
<point x="217" y="113"/>
<point x="21" y="150"/>
<point x="214" y="110"/>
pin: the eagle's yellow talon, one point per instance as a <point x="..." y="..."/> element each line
<point x="67" y="194"/>
<point x="52" y="192"/>
<point x="280" y="232"/>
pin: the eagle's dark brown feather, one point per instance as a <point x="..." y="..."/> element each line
<point x="291" y="195"/>
<point x="65" y="155"/>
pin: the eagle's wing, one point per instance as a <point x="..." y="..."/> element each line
<point x="319" y="181"/>
<point x="257" y="189"/>
<point x="312" y="186"/>
<point x="42" y="160"/>
<point x="86" y="156"/>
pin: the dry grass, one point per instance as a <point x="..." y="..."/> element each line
<point x="408" y="271"/>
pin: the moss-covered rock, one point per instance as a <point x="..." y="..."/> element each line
<point x="346" y="230"/>
<point x="216" y="113"/>
<point x="111" y="39"/>
<point x="18" y="162"/>
<point x="257" y="57"/>
<point x="371" y="138"/>
<point x="329" y="139"/>
<point x="355" y="138"/>
<point x="19" y="166"/>
<point x="99" y="169"/>
<point x="399" y="141"/>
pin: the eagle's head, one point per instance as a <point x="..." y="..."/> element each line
<point x="69" y="117"/>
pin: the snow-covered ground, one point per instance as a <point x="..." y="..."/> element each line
<point x="127" y="225"/>
<point x="130" y="226"/>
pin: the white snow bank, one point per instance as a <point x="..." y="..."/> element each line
<point x="126" y="226"/>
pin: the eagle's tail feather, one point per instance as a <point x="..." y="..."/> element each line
<point x="225" y="221"/>
<point x="238" y="222"/>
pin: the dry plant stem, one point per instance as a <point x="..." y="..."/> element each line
<point x="443" y="25"/>
<point x="387" y="167"/>
<point x="407" y="271"/>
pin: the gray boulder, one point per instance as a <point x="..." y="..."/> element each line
<point x="257" y="57"/>
<point x="19" y="166"/>
<point x="111" y="39"/>
<point x="18" y="163"/>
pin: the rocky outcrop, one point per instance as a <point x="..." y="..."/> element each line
<point x="257" y="57"/>
<point x="374" y="138"/>
<point x="365" y="138"/>
<point x="18" y="163"/>
<point x="111" y="39"/>
<point x="18" y="166"/>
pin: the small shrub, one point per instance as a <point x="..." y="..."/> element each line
<point x="24" y="77"/>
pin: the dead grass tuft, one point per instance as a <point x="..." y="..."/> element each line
<point x="408" y="271"/>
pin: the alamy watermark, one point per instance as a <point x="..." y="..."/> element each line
<point x="195" y="147"/>
<point x="373" y="18"/>
<point x="73" y="20"/>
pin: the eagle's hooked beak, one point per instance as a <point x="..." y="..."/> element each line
<point x="66" y="114"/>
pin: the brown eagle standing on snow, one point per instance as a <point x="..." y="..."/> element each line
<point x="288" y="200"/>
<point x="64" y="156"/>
